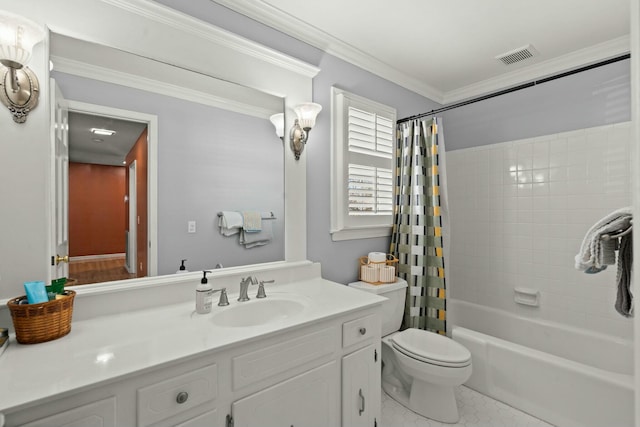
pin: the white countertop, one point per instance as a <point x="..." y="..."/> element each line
<point x="108" y="347"/>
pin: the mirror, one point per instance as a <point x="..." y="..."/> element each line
<point x="214" y="150"/>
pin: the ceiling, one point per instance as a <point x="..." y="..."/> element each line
<point x="86" y="147"/>
<point x="445" y="49"/>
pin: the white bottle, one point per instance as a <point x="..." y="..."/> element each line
<point x="204" y="295"/>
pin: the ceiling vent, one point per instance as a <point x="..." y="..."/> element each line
<point x="517" y="55"/>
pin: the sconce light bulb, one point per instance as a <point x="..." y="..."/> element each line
<point x="307" y="114"/>
<point x="18" y="36"/>
<point x="278" y="122"/>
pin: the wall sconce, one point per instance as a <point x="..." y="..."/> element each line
<point x="299" y="133"/>
<point x="278" y="123"/>
<point x="19" y="87"/>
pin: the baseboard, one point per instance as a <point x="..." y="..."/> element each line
<point x="96" y="257"/>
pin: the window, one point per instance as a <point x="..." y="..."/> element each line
<point x="363" y="139"/>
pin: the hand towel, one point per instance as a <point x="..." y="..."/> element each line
<point x="624" y="298"/>
<point x="230" y="222"/>
<point x="260" y="238"/>
<point x="595" y="254"/>
<point x="252" y="221"/>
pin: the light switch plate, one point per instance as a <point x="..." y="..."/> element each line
<point x="191" y="227"/>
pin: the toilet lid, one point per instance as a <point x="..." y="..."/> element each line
<point x="431" y="348"/>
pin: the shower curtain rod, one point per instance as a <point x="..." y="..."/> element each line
<point x="516" y="88"/>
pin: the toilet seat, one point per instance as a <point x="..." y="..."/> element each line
<point x="432" y="348"/>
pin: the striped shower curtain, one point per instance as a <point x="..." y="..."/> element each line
<point x="419" y="222"/>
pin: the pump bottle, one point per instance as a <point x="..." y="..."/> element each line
<point x="204" y="295"/>
<point x="182" y="268"/>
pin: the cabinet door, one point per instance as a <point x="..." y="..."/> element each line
<point x="307" y="400"/>
<point x="361" y="387"/>
<point x="209" y="419"/>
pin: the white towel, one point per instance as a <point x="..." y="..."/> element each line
<point x="260" y="238"/>
<point x="252" y="221"/>
<point x="595" y="254"/>
<point x="230" y="223"/>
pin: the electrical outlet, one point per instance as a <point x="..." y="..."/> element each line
<point x="191" y="227"/>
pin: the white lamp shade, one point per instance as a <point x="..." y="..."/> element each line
<point x="278" y="123"/>
<point x="307" y="114"/>
<point x="18" y="35"/>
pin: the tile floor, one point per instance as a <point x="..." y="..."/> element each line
<point x="476" y="410"/>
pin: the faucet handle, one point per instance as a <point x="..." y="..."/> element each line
<point x="223" y="297"/>
<point x="261" y="293"/>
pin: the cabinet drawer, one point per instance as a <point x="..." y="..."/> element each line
<point x="360" y="330"/>
<point x="175" y="395"/>
<point x="96" y="414"/>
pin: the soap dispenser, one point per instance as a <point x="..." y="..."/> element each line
<point x="204" y="295"/>
<point x="182" y="268"/>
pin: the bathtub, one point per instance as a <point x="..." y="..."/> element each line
<point x="566" y="376"/>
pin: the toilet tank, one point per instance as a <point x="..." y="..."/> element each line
<point x="393" y="307"/>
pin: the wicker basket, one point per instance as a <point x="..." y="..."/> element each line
<point x="47" y="321"/>
<point x="379" y="278"/>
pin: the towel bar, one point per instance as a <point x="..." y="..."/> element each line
<point x="273" y="216"/>
<point x="619" y="233"/>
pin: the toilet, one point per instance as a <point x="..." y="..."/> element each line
<point x="420" y="369"/>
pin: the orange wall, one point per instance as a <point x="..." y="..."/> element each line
<point x="96" y="209"/>
<point x="139" y="154"/>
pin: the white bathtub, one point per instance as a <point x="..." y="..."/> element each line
<point x="566" y="376"/>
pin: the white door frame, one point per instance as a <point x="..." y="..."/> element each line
<point x="152" y="168"/>
<point x="132" y="243"/>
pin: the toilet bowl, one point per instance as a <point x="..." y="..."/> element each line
<point x="421" y="379"/>
<point x="420" y="369"/>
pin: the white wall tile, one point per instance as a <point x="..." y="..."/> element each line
<point x="519" y="212"/>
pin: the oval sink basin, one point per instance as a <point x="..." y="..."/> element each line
<point x="257" y="312"/>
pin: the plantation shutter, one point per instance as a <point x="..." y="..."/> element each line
<point x="370" y="149"/>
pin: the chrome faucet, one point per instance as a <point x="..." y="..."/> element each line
<point x="244" y="287"/>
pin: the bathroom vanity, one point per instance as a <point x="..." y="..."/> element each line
<point x="306" y="355"/>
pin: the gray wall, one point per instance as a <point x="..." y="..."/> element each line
<point x="339" y="259"/>
<point x="592" y="98"/>
<point x="209" y="160"/>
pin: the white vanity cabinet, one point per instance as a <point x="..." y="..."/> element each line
<point x="317" y="374"/>
<point x="184" y="394"/>
<point x="361" y="370"/>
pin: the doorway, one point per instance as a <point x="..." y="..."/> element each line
<point x="108" y="195"/>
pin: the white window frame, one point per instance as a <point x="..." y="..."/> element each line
<point x="343" y="226"/>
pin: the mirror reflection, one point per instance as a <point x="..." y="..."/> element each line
<point x="215" y="150"/>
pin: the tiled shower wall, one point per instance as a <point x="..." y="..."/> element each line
<point x="518" y="213"/>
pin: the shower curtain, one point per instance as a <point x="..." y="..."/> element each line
<point x="420" y="226"/>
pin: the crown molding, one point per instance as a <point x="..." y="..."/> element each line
<point x="275" y="18"/>
<point x="165" y="15"/>
<point x="578" y="58"/>
<point x="95" y="72"/>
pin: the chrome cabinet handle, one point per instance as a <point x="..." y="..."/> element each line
<point x="361" y="409"/>
<point x="362" y="331"/>
<point x="182" y="397"/>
